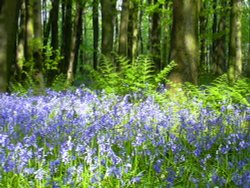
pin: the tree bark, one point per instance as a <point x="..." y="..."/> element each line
<point x="156" y="36"/>
<point x="108" y="15"/>
<point x="8" y="29"/>
<point x="219" y="41"/>
<point x="66" y="35"/>
<point x="184" y="41"/>
<point x="53" y="24"/>
<point x="235" y="50"/>
<point x="76" y="41"/>
<point x="133" y="31"/>
<point x="96" y="32"/>
<point x="123" y="38"/>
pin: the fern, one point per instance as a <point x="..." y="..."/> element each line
<point x="129" y="77"/>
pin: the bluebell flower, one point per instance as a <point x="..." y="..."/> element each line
<point x="157" y="166"/>
<point x="40" y="174"/>
<point x="114" y="171"/>
<point x="135" y="179"/>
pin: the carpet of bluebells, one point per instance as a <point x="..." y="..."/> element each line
<point x="83" y="139"/>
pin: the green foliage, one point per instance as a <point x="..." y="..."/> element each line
<point x="220" y="92"/>
<point x="51" y="59"/>
<point x="129" y="77"/>
<point x="60" y="83"/>
<point x="34" y="80"/>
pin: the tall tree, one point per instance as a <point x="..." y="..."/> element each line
<point x="8" y="30"/>
<point x="203" y="28"/>
<point x="95" y="20"/>
<point x="235" y="50"/>
<point x="219" y="38"/>
<point x="108" y="8"/>
<point x="156" y="35"/>
<point x="52" y="27"/>
<point x="37" y="38"/>
<point x="76" y="41"/>
<point x="133" y="30"/>
<point x="184" y="41"/>
<point x="123" y="38"/>
<point x="66" y="35"/>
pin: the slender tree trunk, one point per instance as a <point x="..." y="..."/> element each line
<point x="76" y="41"/>
<point x="96" y="32"/>
<point x="184" y="44"/>
<point x="66" y="36"/>
<point x="21" y="37"/>
<point x="133" y="31"/>
<point x="53" y="25"/>
<point x="123" y="38"/>
<point x="235" y="50"/>
<point x="156" y="36"/>
<point x="203" y="31"/>
<point x="140" y="28"/>
<point x="165" y="35"/>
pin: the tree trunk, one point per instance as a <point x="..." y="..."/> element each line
<point x="235" y="51"/>
<point x="165" y="34"/>
<point x="123" y="38"/>
<point x="37" y="28"/>
<point x="76" y="41"/>
<point x="108" y="15"/>
<point x="133" y="31"/>
<point x="184" y="41"/>
<point x="96" y="32"/>
<point x="53" y="24"/>
<point x="203" y="31"/>
<point x="219" y="42"/>
<point x="66" y="36"/>
<point x="8" y="29"/>
<point x="156" y="36"/>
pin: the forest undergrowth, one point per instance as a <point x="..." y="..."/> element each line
<point x="128" y="131"/>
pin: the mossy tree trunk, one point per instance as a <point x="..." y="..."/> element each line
<point x="184" y="41"/>
<point x="235" y="48"/>
<point x="219" y="40"/>
<point x="133" y="32"/>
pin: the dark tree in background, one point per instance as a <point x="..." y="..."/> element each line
<point x="8" y="28"/>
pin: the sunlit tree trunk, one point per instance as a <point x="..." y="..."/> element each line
<point x="235" y="50"/>
<point x="76" y="41"/>
<point x="133" y="31"/>
<point x="184" y="41"/>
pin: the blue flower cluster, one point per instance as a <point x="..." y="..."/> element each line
<point x="81" y="139"/>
